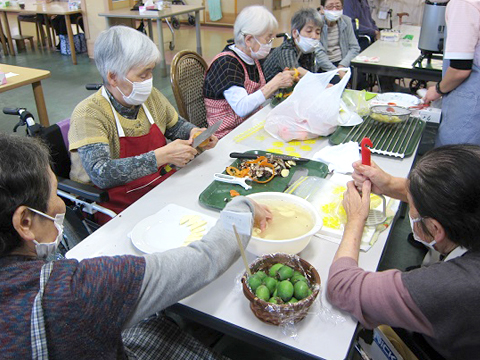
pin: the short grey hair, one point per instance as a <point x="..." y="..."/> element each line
<point x="24" y="180"/>
<point x="254" y="20"/>
<point x="303" y="16"/>
<point x="121" y="48"/>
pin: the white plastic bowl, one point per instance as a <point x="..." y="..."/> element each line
<point x="259" y="246"/>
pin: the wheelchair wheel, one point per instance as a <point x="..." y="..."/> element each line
<point x="175" y="23"/>
<point x="416" y="85"/>
<point x="191" y="20"/>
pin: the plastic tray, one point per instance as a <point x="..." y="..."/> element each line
<point x="217" y="194"/>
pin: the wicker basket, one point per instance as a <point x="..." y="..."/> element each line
<point x="277" y="314"/>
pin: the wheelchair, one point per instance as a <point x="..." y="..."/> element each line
<point x="81" y="200"/>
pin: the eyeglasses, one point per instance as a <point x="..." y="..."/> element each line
<point x="334" y="7"/>
<point x="267" y="43"/>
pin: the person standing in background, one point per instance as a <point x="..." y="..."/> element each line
<point x="461" y="76"/>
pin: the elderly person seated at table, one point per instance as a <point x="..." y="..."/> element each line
<point x="77" y="310"/>
<point x="118" y="136"/>
<point x="235" y="85"/>
<point x="439" y="301"/>
<point x="297" y="52"/>
<point x="338" y="42"/>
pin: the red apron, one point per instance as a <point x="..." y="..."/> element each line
<point x="120" y="197"/>
<point x="220" y="109"/>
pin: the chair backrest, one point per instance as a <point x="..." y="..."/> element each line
<point x="187" y="76"/>
<point x="56" y="137"/>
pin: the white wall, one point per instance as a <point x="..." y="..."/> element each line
<point x="413" y="7"/>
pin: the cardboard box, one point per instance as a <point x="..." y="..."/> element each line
<point x="382" y="348"/>
<point x="430" y="115"/>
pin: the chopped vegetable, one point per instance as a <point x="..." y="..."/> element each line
<point x="234" y="193"/>
<point x="262" y="169"/>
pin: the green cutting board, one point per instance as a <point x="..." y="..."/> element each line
<point x="217" y="194"/>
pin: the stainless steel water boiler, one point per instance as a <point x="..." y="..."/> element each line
<point x="433" y="29"/>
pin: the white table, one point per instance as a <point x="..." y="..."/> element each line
<point x="396" y="59"/>
<point x="150" y="15"/>
<point x="219" y="305"/>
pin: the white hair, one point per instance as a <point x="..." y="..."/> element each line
<point x="121" y="48"/>
<point x="253" y="20"/>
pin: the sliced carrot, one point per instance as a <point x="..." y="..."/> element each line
<point x="234" y="193"/>
<point x="257" y="160"/>
<point x="233" y="171"/>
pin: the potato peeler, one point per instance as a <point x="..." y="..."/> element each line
<point x="232" y="180"/>
<point x="375" y="217"/>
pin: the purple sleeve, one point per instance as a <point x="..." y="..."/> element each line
<point x="374" y="298"/>
<point x="108" y="284"/>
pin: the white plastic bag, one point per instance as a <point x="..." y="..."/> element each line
<point x="312" y="110"/>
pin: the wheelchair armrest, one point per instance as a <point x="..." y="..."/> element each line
<point x="366" y="37"/>
<point x="285" y="36"/>
<point x="87" y="192"/>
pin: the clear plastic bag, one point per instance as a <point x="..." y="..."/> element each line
<point x="356" y="101"/>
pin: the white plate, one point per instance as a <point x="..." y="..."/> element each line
<point x="162" y="231"/>
<point x="400" y="99"/>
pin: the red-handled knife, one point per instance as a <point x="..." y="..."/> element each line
<point x="366" y="155"/>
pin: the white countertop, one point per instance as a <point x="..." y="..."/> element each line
<point x="399" y="54"/>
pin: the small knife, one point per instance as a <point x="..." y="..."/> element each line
<point x="237" y="155"/>
<point x="206" y="134"/>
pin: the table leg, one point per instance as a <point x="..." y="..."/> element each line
<point x="150" y="29"/>
<point x="40" y="102"/>
<point x="197" y="30"/>
<point x="9" y="35"/>
<point x="2" y="39"/>
<point x="161" y="47"/>
<point x="355" y="78"/>
<point x="48" y="26"/>
<point x="70" y="39"/>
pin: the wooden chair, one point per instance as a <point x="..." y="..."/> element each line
<point x="31" y="18"/>
<point x="187" y="74"/>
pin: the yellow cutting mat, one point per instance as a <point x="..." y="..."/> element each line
<point x="256" y="137"/>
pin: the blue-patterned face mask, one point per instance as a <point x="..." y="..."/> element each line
<point x="416" y="237"/>
<point x="44" y="250"/>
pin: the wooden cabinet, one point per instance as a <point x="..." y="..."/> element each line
<point x="229" y="13"/>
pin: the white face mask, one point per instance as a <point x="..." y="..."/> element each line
<point x="263" y="52"/>
<point x="306" y="45"/>
<point x="44" y="250"/>
<point x="416" y="237"/>
<point x="333" y="15"/>
<point x="140" y="92"/>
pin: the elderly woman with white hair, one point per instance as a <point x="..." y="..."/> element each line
<point x="235" y="86"/>
<point x="118" y="136"/>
